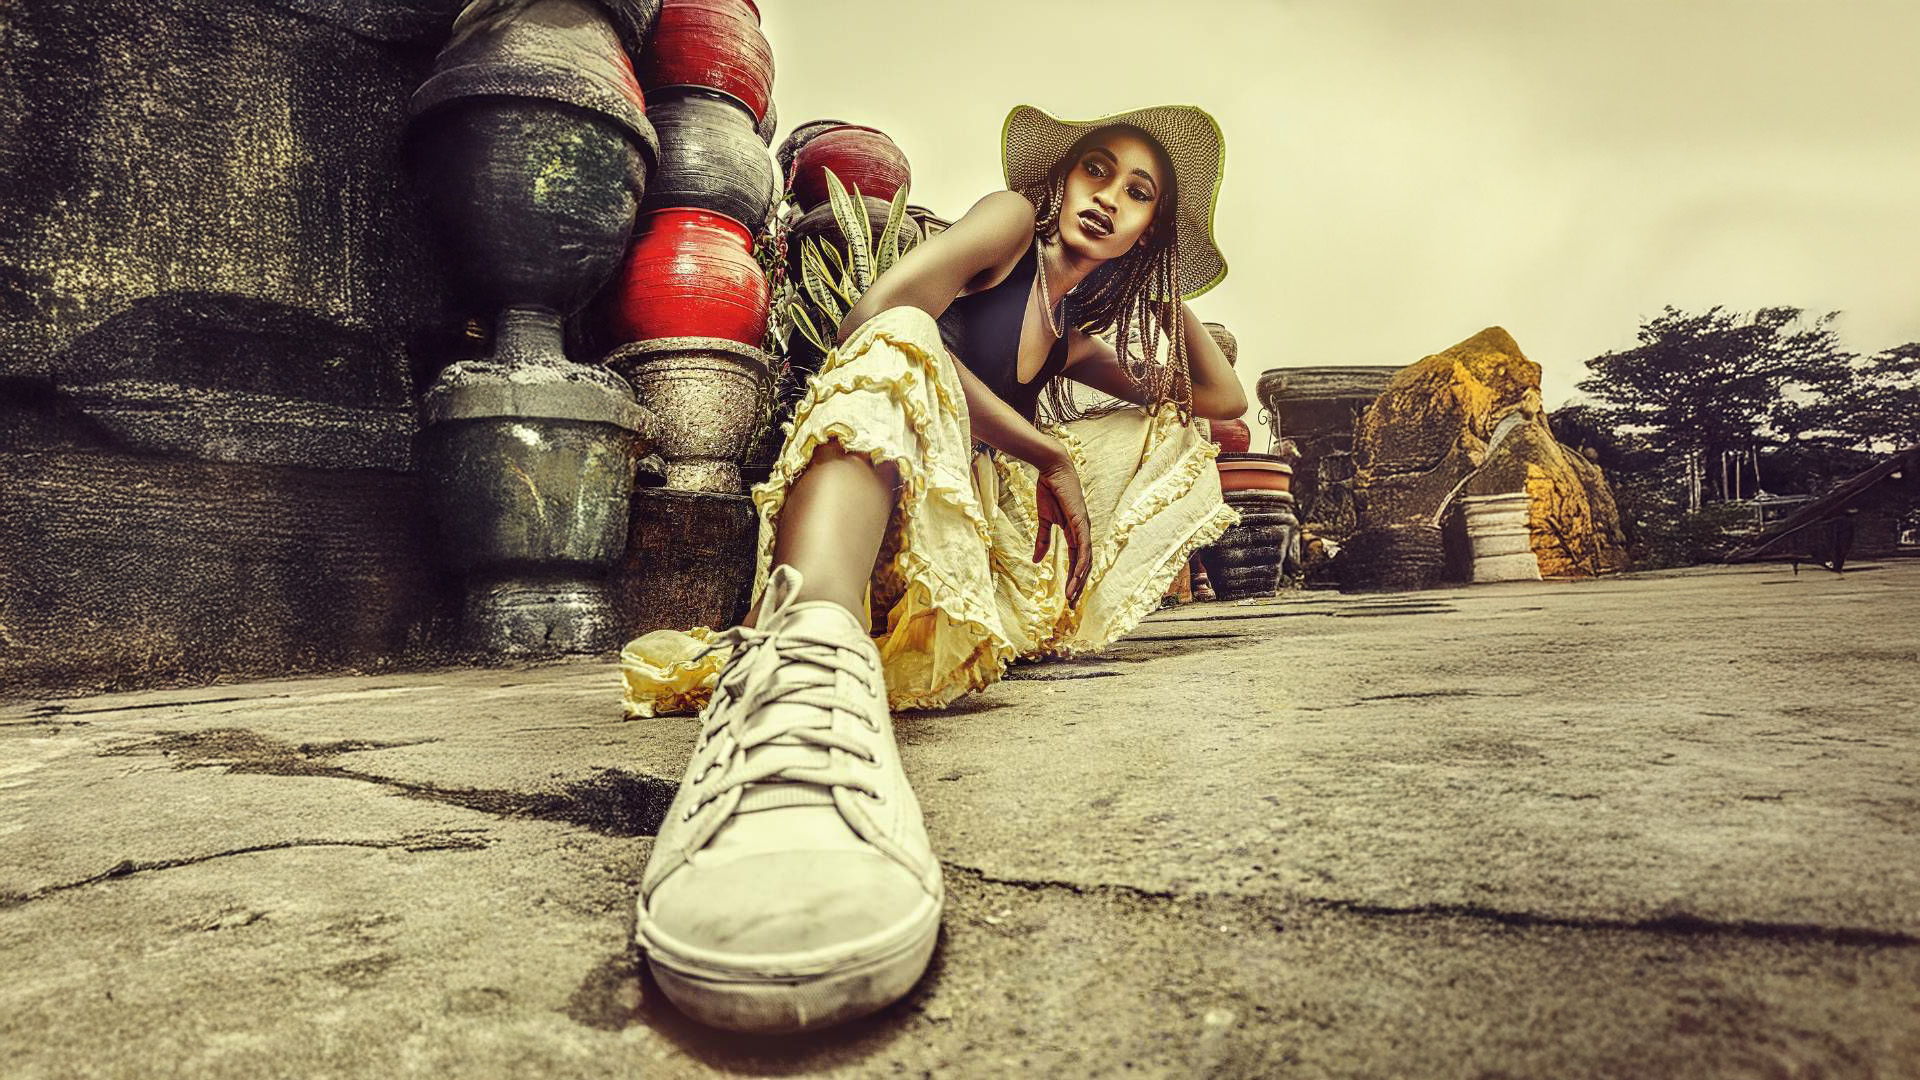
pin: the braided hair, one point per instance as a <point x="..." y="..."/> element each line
<point x="1135" y="298"/>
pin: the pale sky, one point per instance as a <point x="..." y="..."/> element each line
<point x="1404" y="173"/>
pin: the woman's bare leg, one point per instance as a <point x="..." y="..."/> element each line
<point x="832" y="524"/>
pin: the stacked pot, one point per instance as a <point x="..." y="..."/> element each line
<point x="1500" y="536"/>
<point x="688" y="309"/>
<point x="686" y="314"/>
<point x="531" y="147"/>
<point x="1254" y="557"/>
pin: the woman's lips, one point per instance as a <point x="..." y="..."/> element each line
<point x="1096" y="223"/>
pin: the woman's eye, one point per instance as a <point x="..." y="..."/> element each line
<point x="1140" y="194"/>
<point x="1094" y="168"/>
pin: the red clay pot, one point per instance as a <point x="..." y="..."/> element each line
<point x="1254" y="472"/>
<point x="691" y="273"/>
<point x="1231" y="436"/>
<point x="712" y="43"/>
<point x="859" y="156"/>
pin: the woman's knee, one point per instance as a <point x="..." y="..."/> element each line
<point x="900" y="321"/>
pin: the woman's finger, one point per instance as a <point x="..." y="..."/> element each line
<point x="1083" y="558"/>
<point x="1049" y="512"/>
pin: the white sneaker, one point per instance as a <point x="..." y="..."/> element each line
<point x="792" y="885"/>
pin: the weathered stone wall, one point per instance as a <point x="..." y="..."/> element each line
<point x="215" y="305"/>
<point x="204" y="203"/>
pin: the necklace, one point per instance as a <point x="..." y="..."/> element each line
<point x="1046" y="299"/>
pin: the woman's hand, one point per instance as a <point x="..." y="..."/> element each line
<point x="1061" y="503"/>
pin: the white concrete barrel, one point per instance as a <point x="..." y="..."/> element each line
<point x="1498" y="532"/>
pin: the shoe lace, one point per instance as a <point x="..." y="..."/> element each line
<point x="761" y="674"/>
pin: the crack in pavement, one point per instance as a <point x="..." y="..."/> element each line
<point x="58" y="709"/>
<point x="424" y="841"/>
<point x="611" y="801"/>
<point x="1679" y="924"/>
<point x="1054" y="884"/>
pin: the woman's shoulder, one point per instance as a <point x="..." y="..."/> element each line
<point x="997" y="232"/>
<point x="1000" y="215"/>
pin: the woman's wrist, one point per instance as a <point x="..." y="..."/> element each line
<point x="1052" y="454"/>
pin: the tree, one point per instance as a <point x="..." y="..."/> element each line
<point x="1885" y="412"/>
<point x="1703" y="388"/>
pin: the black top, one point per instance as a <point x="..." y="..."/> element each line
<point x="983" y="330"/>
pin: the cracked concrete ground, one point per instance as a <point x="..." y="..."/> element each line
<point x="1647" y="827"/>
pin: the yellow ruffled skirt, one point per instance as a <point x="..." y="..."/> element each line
<point x="956" y="595"/>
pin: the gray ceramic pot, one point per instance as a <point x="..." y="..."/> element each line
<point x="529" y="471"/>
<point x="1252" y="558"/>
<point x="707" y="394"/>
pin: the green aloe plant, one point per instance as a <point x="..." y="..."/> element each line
<point x="830" y="282"/>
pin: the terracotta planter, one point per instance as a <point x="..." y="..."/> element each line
<point x="860" y="156"/>
<point x="567" y="51"/>
<point x="712" y="43"/>
<point x="633" y="19"/>
<point x="515" y="238"/>
<point x="1231" y="436"/>
<point x="706" y="395"/>
<point x="691" y="273"/>
<point x="1254" y="472"/>
<point x="798" y="138"/>
<point x="711" y="158"/>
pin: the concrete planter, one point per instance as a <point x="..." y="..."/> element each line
<point x="529" y="471"/>
<point x="689" y="561"/>
<point x="707" y="394"/>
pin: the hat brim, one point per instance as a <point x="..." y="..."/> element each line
<point x="1031" y="142"/>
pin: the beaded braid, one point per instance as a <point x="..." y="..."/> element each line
<point x="1136" y="296"/>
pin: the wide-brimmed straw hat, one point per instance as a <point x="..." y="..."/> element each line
<point x="1031" y="142"/>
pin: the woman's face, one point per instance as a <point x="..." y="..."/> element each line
<point x="1114" y="188"/>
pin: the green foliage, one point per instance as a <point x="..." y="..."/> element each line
<point x="1698" y="391"/>
<point x="1772" y="385"/>
<point x="1881" y="404"/>
<point x="1669" y="535"/>
<point x="832" y="280"/>
<point x="1700" y="384"/>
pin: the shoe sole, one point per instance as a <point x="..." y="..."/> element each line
<point x="783" y="1004"/>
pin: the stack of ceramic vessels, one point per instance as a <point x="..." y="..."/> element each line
<point x="688" y="312"/>
<point x="1500" y="534"/>
<point x="532" y="149"/>
<point x="1255" y="557"/>
<point x="689" y="306"/>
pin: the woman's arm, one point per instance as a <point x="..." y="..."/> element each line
<point x="994" y="232"/>
<point x="1217" y="393"/>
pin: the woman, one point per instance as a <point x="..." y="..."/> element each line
<point x="792" y="884"/>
